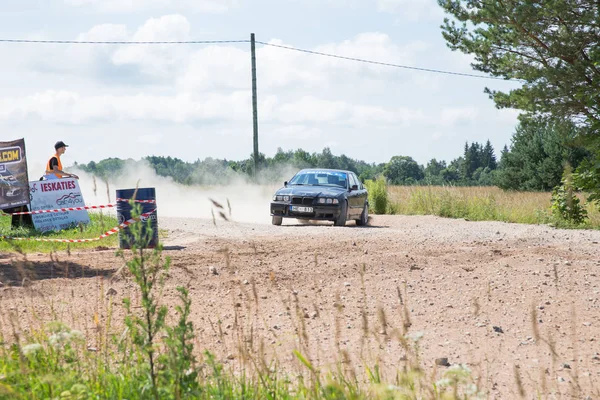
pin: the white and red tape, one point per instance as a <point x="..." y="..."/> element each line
<point x="79" y="208"/>
<point x="104" y="235"/>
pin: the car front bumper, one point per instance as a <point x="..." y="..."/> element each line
<point x="320" y="212"/>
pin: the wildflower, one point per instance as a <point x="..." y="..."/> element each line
<point x="31" y="348"/>
<point x="64" y="337"/>
<point x="443" y="382"/>
<point x="415" y="336"/>
<point x="471" y="389"/>
<point x="462" y="369"/>
<point x="59" y="338"/>
<point x="76" y="335"/>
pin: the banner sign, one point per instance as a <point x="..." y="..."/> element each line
<point x="14" y="188"/>
<point x="53" y="194"/>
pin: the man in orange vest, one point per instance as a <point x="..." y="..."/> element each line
<point x="54" y="168"/>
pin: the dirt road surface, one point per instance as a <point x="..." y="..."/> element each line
<point x="473" y="290"/>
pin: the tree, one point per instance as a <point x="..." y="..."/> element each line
<point x="472" y="159"/>
<point x="433" y="172"/>
<point x="282" y="157"/>
<point x="434" y="167"/>
<point x="302" y="159"/>
<point x="403" y="170"/>
<point x="539" y="151"/>
<point x="552" y="47"/>
<point x="326" y="159"/>
<point x="488" y="158"/>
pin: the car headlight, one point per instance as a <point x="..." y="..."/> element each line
<point x="324" y="200"/>
<point x="281" y="198"/>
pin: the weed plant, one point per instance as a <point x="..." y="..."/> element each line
<point x="156" y="355"/>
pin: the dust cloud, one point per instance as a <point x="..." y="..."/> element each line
<point x="242" y="200"/>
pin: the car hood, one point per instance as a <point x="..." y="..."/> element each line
<point x="313" y="191"/>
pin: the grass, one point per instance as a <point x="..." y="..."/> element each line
<point x="99" y="224"/>
<point x="481" y="204"/>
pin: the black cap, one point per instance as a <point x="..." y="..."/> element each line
<point x="60" y="144"/>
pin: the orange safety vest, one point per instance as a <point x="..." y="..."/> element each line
<point x="49" y="169"/>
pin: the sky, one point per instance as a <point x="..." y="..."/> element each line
<point x="194" y="101"/>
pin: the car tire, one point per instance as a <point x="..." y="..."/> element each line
<point x="364" y="216"/>
<point x="275" y="220"/>
<point x="341" y="220"/>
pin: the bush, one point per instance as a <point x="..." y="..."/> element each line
<point x="378" y="196"/>
<point x="566" y="206"/>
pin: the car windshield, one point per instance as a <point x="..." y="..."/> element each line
<point x="320" y="178"/>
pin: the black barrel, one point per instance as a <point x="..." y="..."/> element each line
<point x="124" y="214"/>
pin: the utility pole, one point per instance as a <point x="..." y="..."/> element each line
<point x="254" y="102"/>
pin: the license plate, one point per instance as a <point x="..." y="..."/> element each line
<point x="301" y="209"/>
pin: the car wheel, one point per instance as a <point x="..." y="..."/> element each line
<point x="275" y="220"/>
<point x="341" y="220"/>
<point x="364" y="217"/>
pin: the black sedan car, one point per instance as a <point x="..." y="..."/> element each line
<point x="322" y="194"/>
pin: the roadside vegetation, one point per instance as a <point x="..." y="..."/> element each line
<point x="489" y="204"/>
<point x="99" y="224"/>
<point x="563" y="208"/>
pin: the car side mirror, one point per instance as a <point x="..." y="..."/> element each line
<point x="285" y="183"/>
<point x="354" y="187"/>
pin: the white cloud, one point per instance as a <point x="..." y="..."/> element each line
<point x="156" y="60"/>
<point x="227" y="67"/>
<point x="151" y="138"/>
<point x="200" y="95"/>
<point x="304" y="115"/>
<point x="214" y="67"/>
<point x="312" y="110"/>
<point x="378" y="116"/>
<point x="127" y="6"/>
<point x="105" y="32"/>
<point x="296" y="132"/>
<point x="453" y="116"/>
<point x="412" y="9"/>
<point x="65" y="107"/>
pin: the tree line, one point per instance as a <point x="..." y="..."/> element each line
<point x="538" y="153"/>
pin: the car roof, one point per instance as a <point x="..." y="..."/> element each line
<point x="324" y="169"/>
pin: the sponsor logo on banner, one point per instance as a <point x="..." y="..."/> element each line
<point x="70" y="200"/>
<point x="48" y="195"/>
<point x="10" y="155"/>
<point x="13" y="175"/>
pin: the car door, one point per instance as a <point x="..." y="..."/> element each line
<point x="354" y="196"/>
<point x="361" y="196"/>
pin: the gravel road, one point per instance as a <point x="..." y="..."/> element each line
<point x="472" y="289"/>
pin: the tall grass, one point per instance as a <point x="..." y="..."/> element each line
<point x="480" y="204"/>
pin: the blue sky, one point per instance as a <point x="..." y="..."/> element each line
<point x="194" y="101"/>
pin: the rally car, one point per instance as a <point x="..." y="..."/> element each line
<point x="10" y="186"/>
<point x="322" y="194"/>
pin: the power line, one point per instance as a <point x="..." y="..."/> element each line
<point x="120" y="42"/>
<point x="437" y="71"/>
<point x="387" y="64"/>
